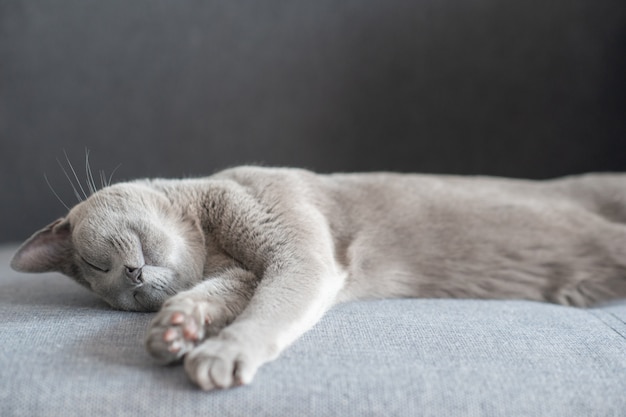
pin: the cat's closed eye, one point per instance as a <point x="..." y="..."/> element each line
<point x="94" y="267"/>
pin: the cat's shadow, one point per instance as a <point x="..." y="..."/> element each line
<point x="120" y="348"/>
<point x="111" y="339"/>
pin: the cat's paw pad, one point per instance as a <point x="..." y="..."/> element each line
<point x="177" y="329"/>
<point x="220" y="364"/>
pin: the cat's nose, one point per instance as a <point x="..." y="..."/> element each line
<point x="134" y="274"/>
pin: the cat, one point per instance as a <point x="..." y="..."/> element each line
<point x="241" y="263"/>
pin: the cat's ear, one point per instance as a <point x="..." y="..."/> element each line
<point x="49" y="249"/>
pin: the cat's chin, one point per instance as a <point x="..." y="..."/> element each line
<point x="147" y="302"/>
<point x="142" y="309"/>
<point x="137" y="302"/>
<point x="137" y="308"/>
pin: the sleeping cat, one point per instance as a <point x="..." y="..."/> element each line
<point x="240" y="264"/>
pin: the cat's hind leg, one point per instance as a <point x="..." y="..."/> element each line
<point x="191" y="316"/>
<point x="601" y="193"/>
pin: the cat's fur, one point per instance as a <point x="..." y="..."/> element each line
<point x="242" y="263"/>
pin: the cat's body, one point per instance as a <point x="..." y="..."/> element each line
<point x="256" y="256"/>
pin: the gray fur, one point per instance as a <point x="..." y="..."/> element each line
<point x="243" y="262"/>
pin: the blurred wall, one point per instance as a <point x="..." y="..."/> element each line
<point x="183" y="88"/>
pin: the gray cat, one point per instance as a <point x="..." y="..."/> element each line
<point x="242" y="263"/>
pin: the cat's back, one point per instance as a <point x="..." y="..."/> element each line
<point x="373" y="185"/>
<point x="376" y="195"/>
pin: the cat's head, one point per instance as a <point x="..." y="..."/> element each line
<point x="128" y="243"/>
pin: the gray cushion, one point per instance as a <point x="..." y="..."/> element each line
<point x="65" y="353"/>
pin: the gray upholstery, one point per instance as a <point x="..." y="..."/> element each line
<point x="65" y="353"/>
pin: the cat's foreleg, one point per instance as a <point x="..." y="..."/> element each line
<point x="191" y="316"/>
<point x="283" y="307"/>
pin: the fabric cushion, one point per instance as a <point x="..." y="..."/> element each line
<point x="65" y="353"/>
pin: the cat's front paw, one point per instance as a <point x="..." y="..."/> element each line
<point x="181" y="324"/>
<point x="218" y="363"/>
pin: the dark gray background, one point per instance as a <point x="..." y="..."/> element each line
<point x="177" y="88"/>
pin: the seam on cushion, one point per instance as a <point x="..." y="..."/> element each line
<point x="611" y="321"/>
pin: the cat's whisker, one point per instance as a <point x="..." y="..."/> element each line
<point x="76" y="193"/>
<point x="54" y="192"/>
<point x="111" y="176"/>
<point x="69" y="163"/>
<point x="90" y="181"/>
<point x="103" y="179"/>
